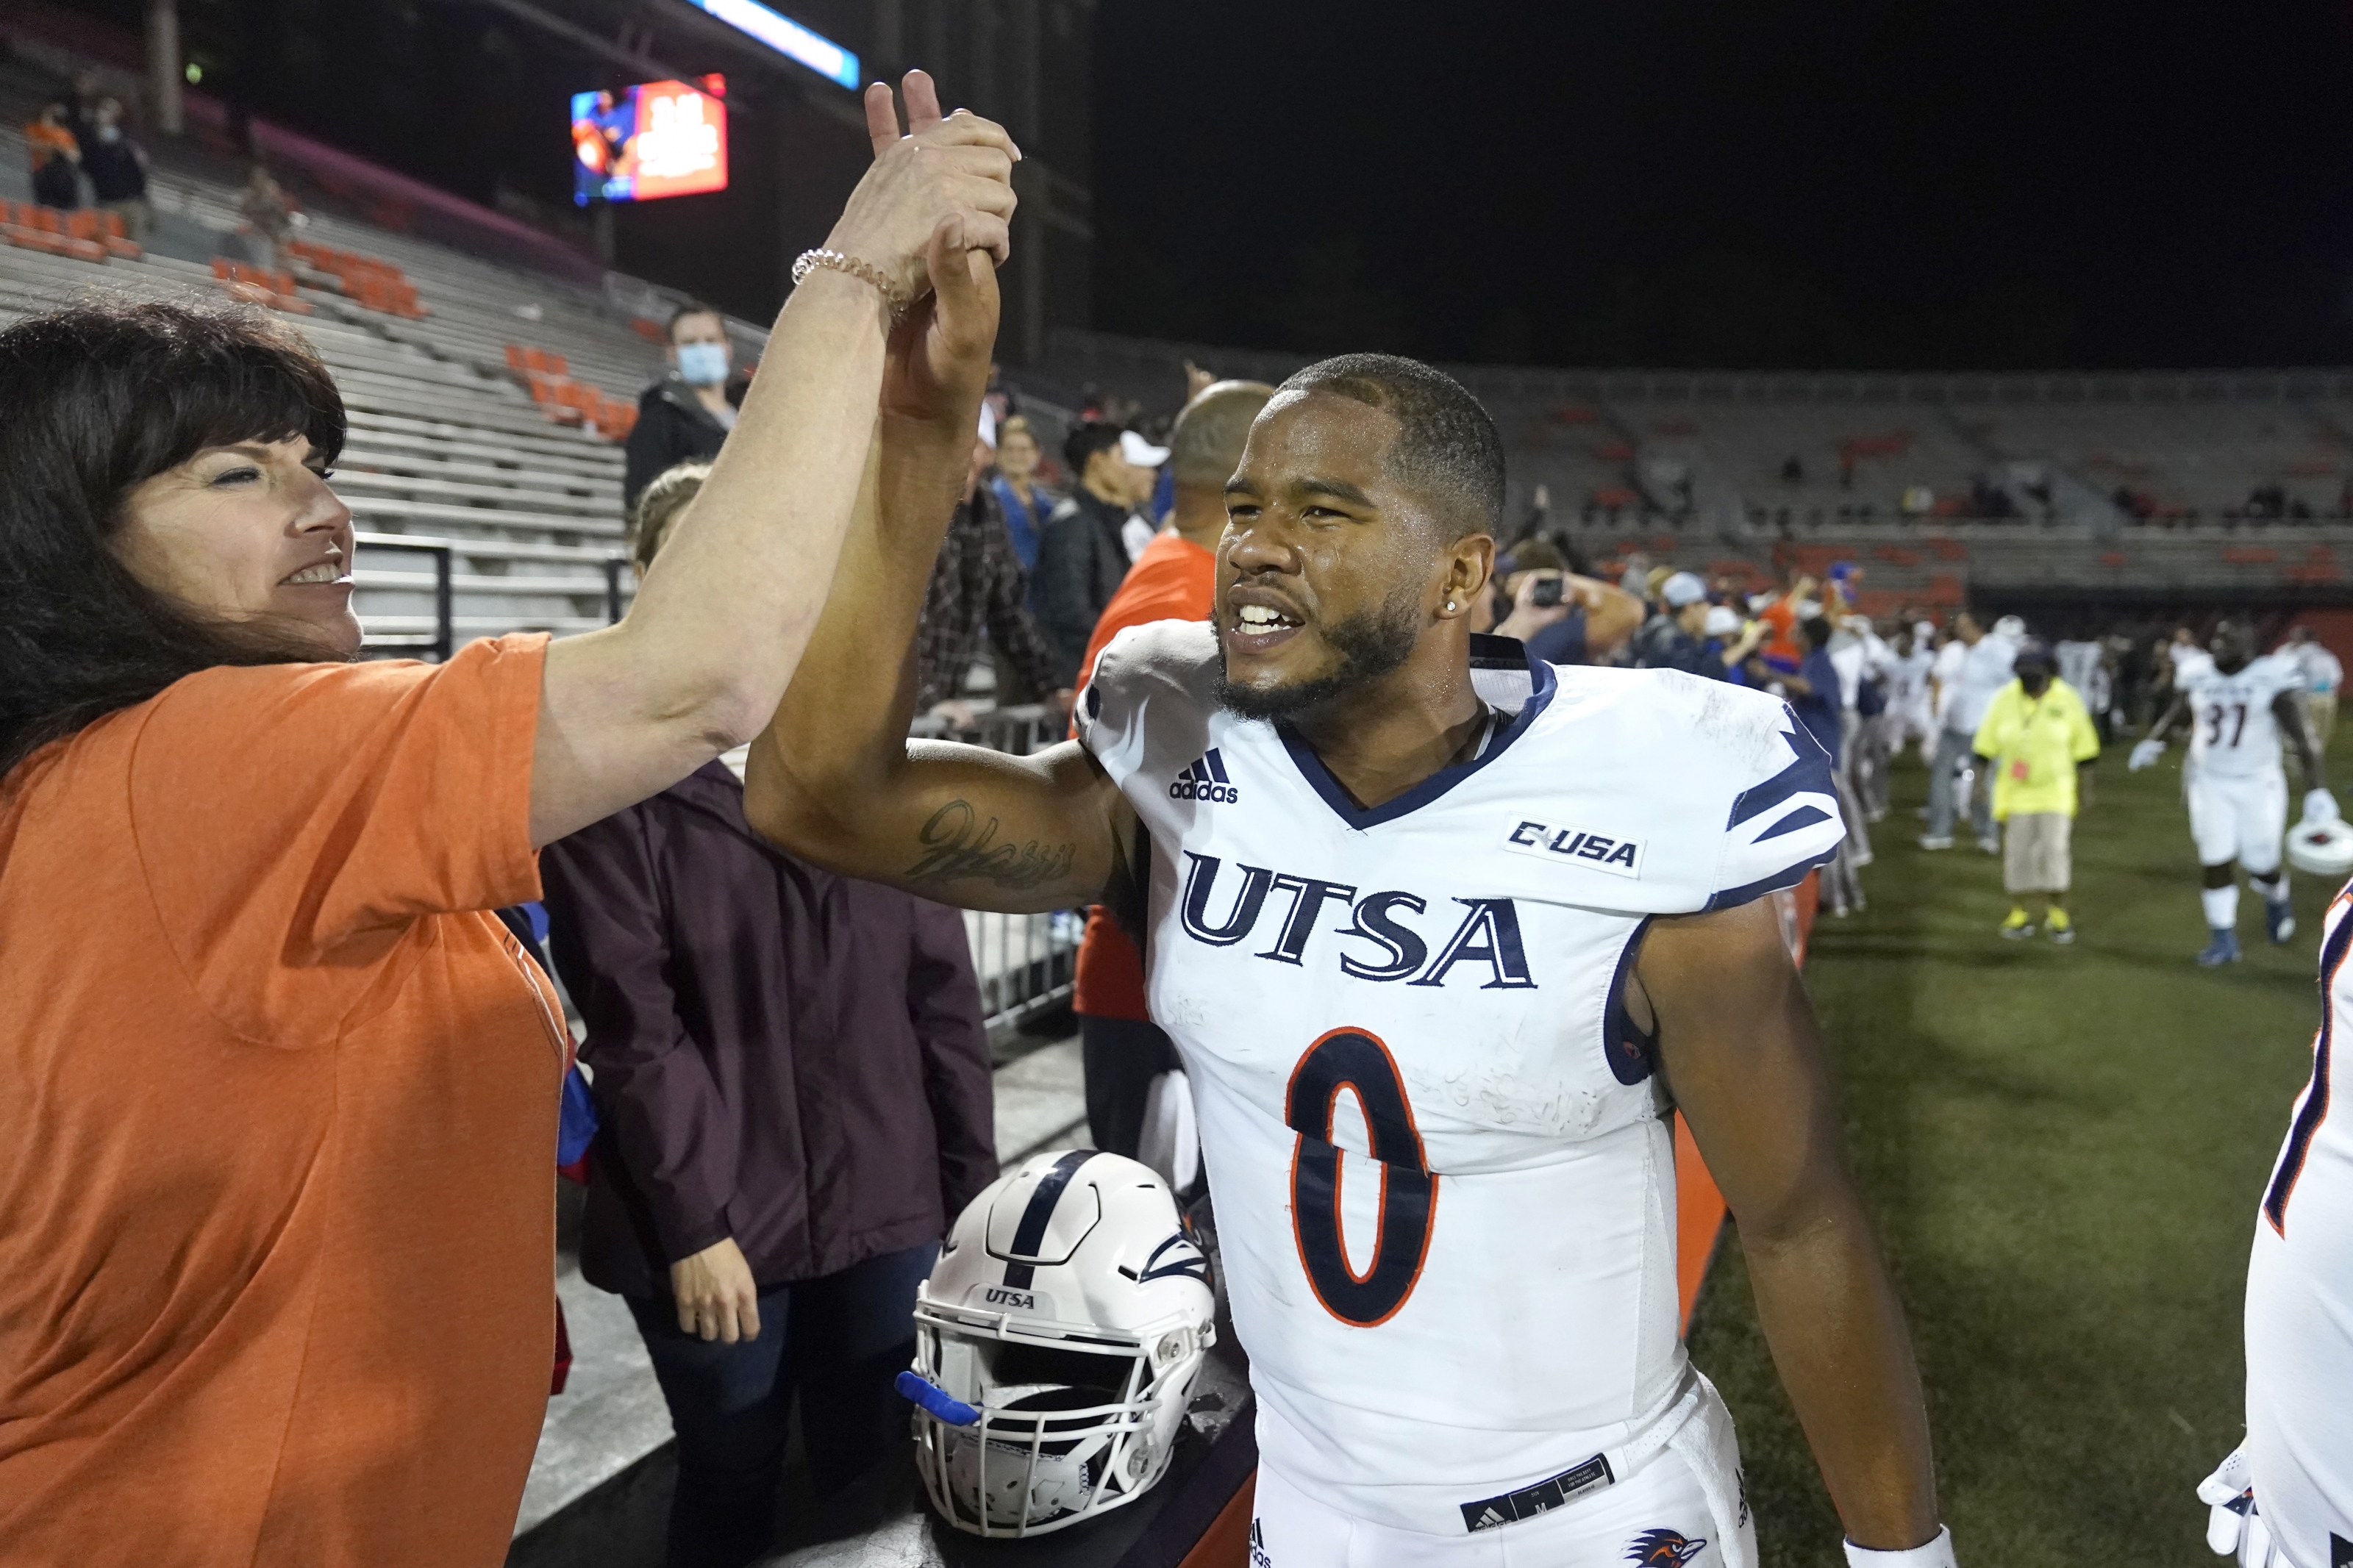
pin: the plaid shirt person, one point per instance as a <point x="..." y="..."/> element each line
<point x="978" y="586"/>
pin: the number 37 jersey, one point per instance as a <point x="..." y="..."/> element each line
<point x="2233" y="734"/>
<point x="1444" y="1188"/>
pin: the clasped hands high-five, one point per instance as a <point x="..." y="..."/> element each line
<point x="931" y="215"/>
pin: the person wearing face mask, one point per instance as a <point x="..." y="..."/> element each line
<point x="685" y="416"/>
<point x="117" y="167"/>
<point x="2036" y="739"/>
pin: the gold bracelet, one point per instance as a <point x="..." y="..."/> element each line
<point x="811" y="261"/>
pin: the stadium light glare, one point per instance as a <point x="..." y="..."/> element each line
<point x="787" y="37"/>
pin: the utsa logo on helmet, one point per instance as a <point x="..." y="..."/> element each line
<point x="1663" y="1549"/>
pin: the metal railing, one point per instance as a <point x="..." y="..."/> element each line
<point x="442" y="640"/>
<point x="1027" y="964"/>
<point x="611" y="585"/>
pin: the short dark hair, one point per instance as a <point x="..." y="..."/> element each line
<point x="1085" y="440"/>
<point x="691" y="308"/>
<point x="94" y="400"/>
<point x="1817" y="631"/>
<point x="1447" y="447"/>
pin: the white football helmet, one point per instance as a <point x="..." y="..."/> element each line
<point x="1056" y="1345"/>
<point x="2322" y="849"/>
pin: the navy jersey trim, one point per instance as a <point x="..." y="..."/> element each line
<point x="2315" y="1109"/>
<point x="1808" y="774"/>
<point x="1312" y="768"/>
<point x="1633" y="1055"/>
<point x="1031" y="1232"/>
<point x="1789" y="877"/>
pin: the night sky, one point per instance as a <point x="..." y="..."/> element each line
<point x="2013" y="184"/>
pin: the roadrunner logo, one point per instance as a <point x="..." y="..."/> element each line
<point x="1663" y="1549"/>
<point x="1205" y="780"/>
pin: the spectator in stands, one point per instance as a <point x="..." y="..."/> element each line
<point x="1024" y="503"/>
<point x="1680" y="639"/>
<point x="794" y="1092"/>
<point x="1812" y="692"/>
<point x="117" y="167"/>
<point x="279" y="1230"/>
<point x="1087" y="545"/>
<point x="2036" y="740"/>
<point x="977" y="588"/>
<point x="269" y="214"/>
<point x="81" y="102"/>
<point x="1562" y="616"/>
<point x="685" y="416"/>
<point x="2322" y="675"/>
<point x="1174" y="578"/>
<point x="1984" y="668"/>
<point x="1636" y="578"/>
<point x="56" y="158"/>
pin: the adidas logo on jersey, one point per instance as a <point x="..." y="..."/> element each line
<point x="1205" y="780"/>
<point x="1592" y="851"/>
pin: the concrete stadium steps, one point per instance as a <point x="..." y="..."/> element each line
<point x="2197" y="442"/>
<point x="438" y="449"/>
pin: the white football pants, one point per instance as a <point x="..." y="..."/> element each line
<point x="1668" y="1514"/>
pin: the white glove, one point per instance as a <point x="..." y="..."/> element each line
<point x="2234" y="1527"/>
<point x="2319" y="806"/>
<point x="2145" y="755"/>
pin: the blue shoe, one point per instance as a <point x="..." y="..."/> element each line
<point x="2279" y="921"/>
<point x="2223" y="949"/>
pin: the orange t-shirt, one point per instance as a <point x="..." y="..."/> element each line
<point x="42" y="142"/>
<point x="1172" y="580"/>
<point x="277" y="1223"/>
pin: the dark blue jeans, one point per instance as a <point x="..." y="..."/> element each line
<point x="837" y="1341"/>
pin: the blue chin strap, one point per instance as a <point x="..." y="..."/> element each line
<point x="931" y="1396"/>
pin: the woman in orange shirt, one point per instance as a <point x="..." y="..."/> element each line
<point x="275" y="1222"/>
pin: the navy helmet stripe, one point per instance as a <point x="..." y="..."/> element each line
<point x="1031" y="1231"/>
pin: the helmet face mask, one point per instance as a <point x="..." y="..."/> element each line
<point x="1065" y="1348"/>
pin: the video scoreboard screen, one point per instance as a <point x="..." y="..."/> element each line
<point x="656" y="139"/>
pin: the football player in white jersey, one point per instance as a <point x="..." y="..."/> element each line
<point x="1449" y="938"/>
<point x="2285" y="1500"/>
<point x="2239" y="707"/>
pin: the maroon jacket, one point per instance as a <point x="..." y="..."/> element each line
<point x="781" y="1055"/>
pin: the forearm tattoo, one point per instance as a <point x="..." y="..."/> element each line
<point x="955" y="850"/>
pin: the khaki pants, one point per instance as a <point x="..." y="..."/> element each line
<point x="2034" y="857"/>
<point x="2320" y="707"/>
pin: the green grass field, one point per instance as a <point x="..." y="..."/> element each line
<point x="2063" y="1149"/>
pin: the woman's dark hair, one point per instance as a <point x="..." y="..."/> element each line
<point x="94" y="400"/>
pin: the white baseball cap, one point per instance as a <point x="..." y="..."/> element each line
<point x="1141" y="452"/>
<point x="1682" y="588"/>
<point x="1722" y="621"/>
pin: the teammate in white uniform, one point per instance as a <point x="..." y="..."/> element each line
<point x="1433" y="954"/>
<point x="2239" y="707"/>
<point x="2286" y="1497"/>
